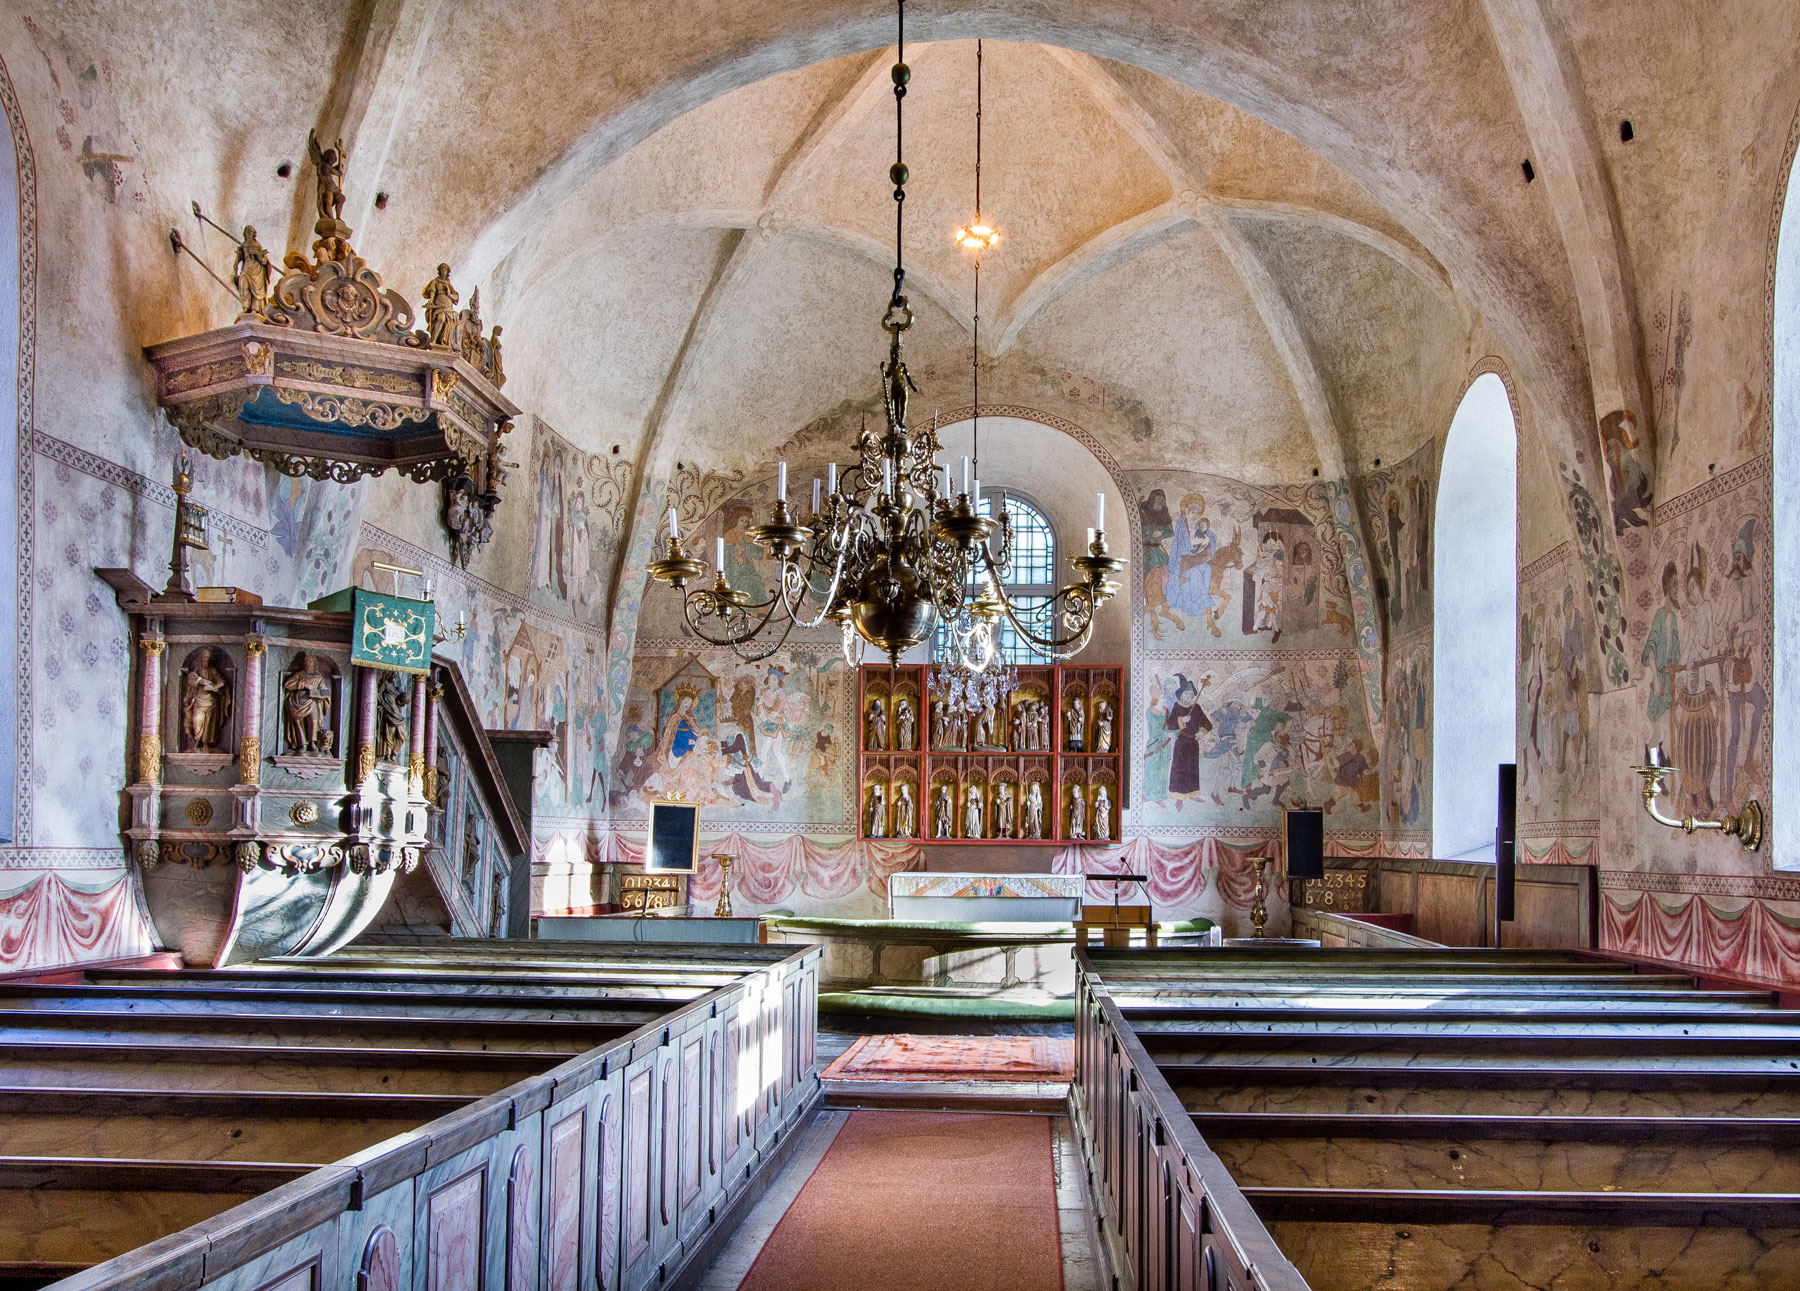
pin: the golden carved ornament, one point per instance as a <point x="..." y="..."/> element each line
<point x="304" y="813"/>
<point x="416" y="773"/>
<point x="254" y="647"/>
<point x="365" y="763"/>
<point x="199" y="812"/>
<point x="349" y="410"/>
<point x="150" y="757"/>
<point x="153" y="646"/>
<point x="259" y="359"/>
<point x="250" y="759"/>
<point x="431" y="784"/>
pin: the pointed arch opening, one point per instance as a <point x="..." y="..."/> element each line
<point x="1473" y="650"/>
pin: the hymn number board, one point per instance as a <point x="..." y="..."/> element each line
<point x="1044" y="766"/>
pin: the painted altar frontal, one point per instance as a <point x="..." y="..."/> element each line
<point x="985" y="898"/>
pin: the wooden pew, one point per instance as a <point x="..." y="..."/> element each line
<point x="601" y="1117"/>
<point x="1421" y="1119"/>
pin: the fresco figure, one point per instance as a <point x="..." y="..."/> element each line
<point x="1264" y="581"/>
<point x="1188" y="721"/>
<point x="1158" y="528"/>
<point x="1159" y="738"/>
<point x="1190" y="570"/>
<point x="1396" y="575"/>
<point x="1626" y="479"/>
<point x="1662" y="651"/>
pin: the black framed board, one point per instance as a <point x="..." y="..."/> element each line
<point x="674" y="843"/>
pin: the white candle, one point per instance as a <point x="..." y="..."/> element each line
<point x="781" y="481"/>
<point x="965" y="473"/>
<point x="459" y="618"/>
<point x="815" y="495"/>
<point x="428" y="589"/>
<point x="1099" y="510"/>
<point x="947" y="490"/>
<point x="975" y="497"/>
<point x="719" y="555"/>
<point x="672" y="530"/>
<point x="831" y="477"/>
<point x="887" y="475"/>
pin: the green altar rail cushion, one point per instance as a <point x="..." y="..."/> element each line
<point x="945" y="1004"/>
<point x="1047" y="931"/>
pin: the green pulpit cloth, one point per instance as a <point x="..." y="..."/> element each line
<point x="392" y="632"/>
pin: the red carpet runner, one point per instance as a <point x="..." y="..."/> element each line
<point x="922" y="1201"/>
<point x="955" y="1057"/>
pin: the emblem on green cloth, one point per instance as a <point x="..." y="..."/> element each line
<point x="391" y="632"/>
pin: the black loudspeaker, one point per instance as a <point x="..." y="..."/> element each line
<point x="1306" y="844"/>
<point x="1505" y="841"/>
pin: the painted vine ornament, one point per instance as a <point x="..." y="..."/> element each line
<point x="323" y="375"/>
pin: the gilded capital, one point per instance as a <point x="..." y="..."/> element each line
<point x="254" y="647"/>
<point x="153" y="646"/>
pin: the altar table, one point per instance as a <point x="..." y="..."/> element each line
<point x="986" y="898"/>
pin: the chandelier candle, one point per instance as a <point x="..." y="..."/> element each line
<point x="885" y="554"/>
<point x="1100" y="512"/>
<point x="673" y="532"/>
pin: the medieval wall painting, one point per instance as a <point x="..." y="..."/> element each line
<point x="1235" y="737"/>
<point x="1701" y="641"/>
<point x="1230" y="564"/>
<point x="578" y="500"/>
<point x="1399" y="506"/>
<point x="1407" y="757"/>
<point x="747" y="741"/>
<point x="1556" y="681"/>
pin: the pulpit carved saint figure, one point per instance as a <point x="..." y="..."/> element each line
<point x="306" y="724"/>
<point x="440" y="310"/>
<point x="250" y="275"/>
<point x="205" y="703"/>
<point x="392" y="698"/>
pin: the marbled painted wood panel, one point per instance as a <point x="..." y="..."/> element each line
<point x="274" y="1069"/>
<point x="551" y="1038"/>
<point x="1476" y="1257"/>
<point x="640" y="1167"/>
<point x="565" y="1155"/>
<point x="522" y="1220"/>
<point x="455" y="1228"/>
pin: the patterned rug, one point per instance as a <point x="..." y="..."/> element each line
<point x="955" y="1057"/>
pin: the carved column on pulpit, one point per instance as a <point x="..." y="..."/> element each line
<point x="367" y="679"/>
<point x="415" y="761"/>
<point x="250" y="740"/>
<point x="434" y="696"/>
<point x="149" y="765"/>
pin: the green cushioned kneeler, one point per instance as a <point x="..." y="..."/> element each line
<point x="946" y="1005"/>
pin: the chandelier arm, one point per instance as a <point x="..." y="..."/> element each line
<point x="1072" y="604"/>
<point x="704" y="603"/>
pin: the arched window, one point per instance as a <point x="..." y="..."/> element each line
<point x="1474" y="657"/>
<point x="1784" y="829"/>
<point x="1030" y="574"/>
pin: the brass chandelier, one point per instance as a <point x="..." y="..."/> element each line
<point x="884" y="553"/>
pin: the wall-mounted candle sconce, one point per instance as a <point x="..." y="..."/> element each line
<point x="1746" y="826"/>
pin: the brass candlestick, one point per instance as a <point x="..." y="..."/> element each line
<point x="1259" y="912"/>
<point x="723" y="909"/>
<point x="1746" y="826"/>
